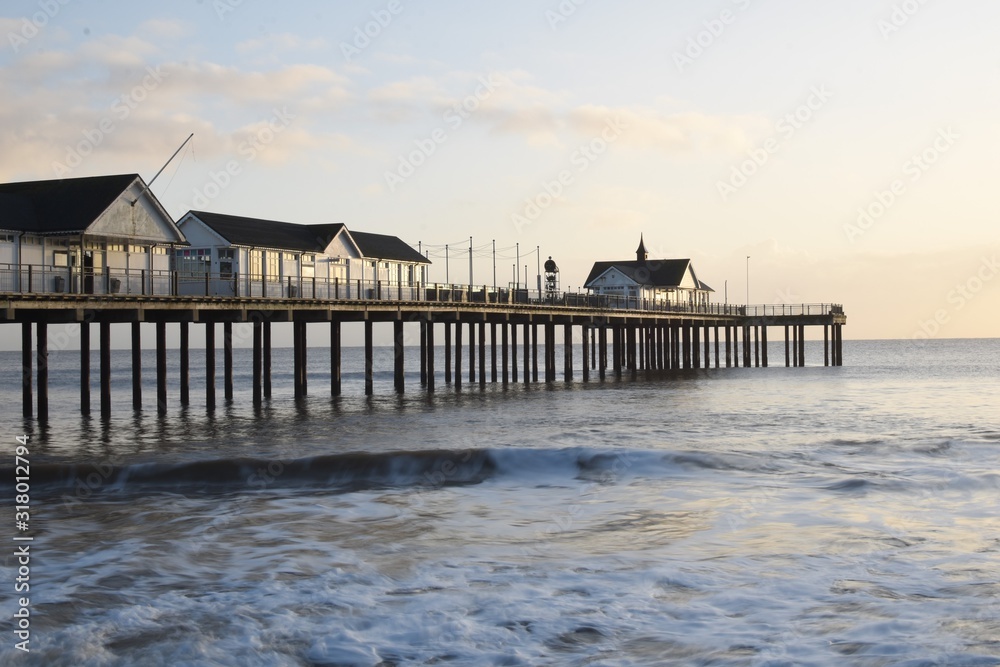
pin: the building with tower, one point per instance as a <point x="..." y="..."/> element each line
<point x="663" y="281"/>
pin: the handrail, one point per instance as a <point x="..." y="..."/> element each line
<point x="39" y="279"/>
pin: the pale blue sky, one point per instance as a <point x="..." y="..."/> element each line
<point x="225" y="69"/>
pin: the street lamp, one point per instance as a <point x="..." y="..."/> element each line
<point x="748" y="281"/>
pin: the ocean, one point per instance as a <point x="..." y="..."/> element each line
<point x="779" y="516"/>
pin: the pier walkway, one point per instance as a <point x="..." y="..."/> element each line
<point x="505" y="330"/>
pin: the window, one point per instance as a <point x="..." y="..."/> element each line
<point x="273" y="270"/>
<point x="116" y="247"/>
<point x="93" y="245"/>
<point x="193" y="260"/>
<point x="138" y="249"/>
<point x="6" y="238"/>
<point x="227" y="257"/>
<point x="256" y="264"/>
<point x="159" y="250"/>
<point x="289" y="256"/>
<point x="308" y="260"/>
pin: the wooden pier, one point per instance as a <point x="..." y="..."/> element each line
<point x="615" y="338"/>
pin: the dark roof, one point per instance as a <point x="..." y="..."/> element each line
<point x="654" y="272"/>
<point x="255" y="232"/>
<point x="66" y="206"/>
<point x="380" y="246"/>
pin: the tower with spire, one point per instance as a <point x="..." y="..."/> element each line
<point x="640" y="254"/>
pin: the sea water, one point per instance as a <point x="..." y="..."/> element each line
<point x="780" y="516"/>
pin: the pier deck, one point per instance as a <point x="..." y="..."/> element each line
<point x="616" y="335"/>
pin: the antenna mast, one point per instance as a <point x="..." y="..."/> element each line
<point x="150" y="184"/>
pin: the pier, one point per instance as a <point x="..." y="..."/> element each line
<point x="490" y="336"/>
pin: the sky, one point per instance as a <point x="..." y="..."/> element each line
<point x="848" y="149"/>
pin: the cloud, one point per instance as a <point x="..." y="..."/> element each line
<point x="280" y="42"/>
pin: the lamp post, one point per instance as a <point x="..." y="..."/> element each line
<point x="748" y="282"/>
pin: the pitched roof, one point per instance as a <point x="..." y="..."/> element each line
<point x="66" y="206"/>
<point x="380" y="246"/>
<point x="254" y="232"/>
<point x="653" y="272"/>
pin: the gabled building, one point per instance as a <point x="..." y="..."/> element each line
<point x="243" y="256"/>
<point x="102" y="234"/>
<point x="663" y="281"/>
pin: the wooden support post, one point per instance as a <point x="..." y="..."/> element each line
<point x="493" y="352"/>
<point x="85" y="368"/>
<point x="397" y="357"/>
<point x="42" y="335"/>
<point x="695" y="346"/>
<point x="686" y="352"/>
<point x="717" y="346"/>
<point x="632" y="351"/>
<point x="568" y="352"/>
<point x="593" y="347"/>
<point x="105" y="364"/>
<point x="756" y="346"/>
<point x="227" y="359"/>
<point x="296" y="361"/>
<point x="840" y="345"/>
<point x="430" y="355"/>
<point x="210" y="365"/>
<point x="642" y="363"/>
<point x="267" y="361"/>
<point x="746" y="346"/>
<point x="585" y="353"/>
<point x="161" y="367"/>
<point x="550" y="334"/>
<point x="802" y="345"/>
<point x="527" y="354"/>
<point x="258" y="362"/>
<point x="185" y="369"/>
<point x="706" y="335"/>
<point x="472" y="352"/>
<point x="788" y="358"/>
<point x="505" y="353"/>
<point x="602" y="353"/>
<point x="398" y="334"/>
<point x="513" y="353"/>
<point x="534" y="353"/>
<point x="482" y="354"/>
<point x="27" y="395"/>
<point x="826" y="344"/>
<point x="369" y="360"/>
<point x="729" y="344"/>
<point x="763" y="344"/>
<point x="795" y="345"/>
<point x="335" y="358"/>
<point x="619" y="350"/>
<point x="447" y="352"/>
<point x="458" y="354"/>
<point x="136" y="366"/>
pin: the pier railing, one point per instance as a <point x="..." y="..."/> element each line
<point x="39" y="279"/>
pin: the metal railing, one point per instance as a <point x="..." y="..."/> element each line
<point x="37" y="279"/>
